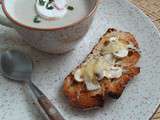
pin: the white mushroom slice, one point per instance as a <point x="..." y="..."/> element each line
<point x="113" y="39"/>
<point x="121" y="53"/>
<point x="114" y="72"/>
<point x="92" y="86"/>
<point x="78" y="75"/>
<point x="131" y="46"/>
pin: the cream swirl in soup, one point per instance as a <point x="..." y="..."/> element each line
<point x="51" y="9"/>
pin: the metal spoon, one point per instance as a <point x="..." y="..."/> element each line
<point x="15" y="65"/>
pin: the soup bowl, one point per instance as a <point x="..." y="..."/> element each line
<point x="56" y="40"/>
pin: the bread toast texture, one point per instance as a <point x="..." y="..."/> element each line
<point x="77" y="92"/>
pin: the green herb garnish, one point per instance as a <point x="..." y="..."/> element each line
<point x="36" y="19"/>
<point x="49" y="5"/>
<point x="70" y="8"/>
<point x="42" y="2"/>
<point x="51" y="1"/>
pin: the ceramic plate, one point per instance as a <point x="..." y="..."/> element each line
<point x="139" y="99"/>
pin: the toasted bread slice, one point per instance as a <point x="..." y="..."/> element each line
<point x="77" y="92"/>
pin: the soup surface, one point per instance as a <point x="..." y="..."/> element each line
<point x="25" y="13"/>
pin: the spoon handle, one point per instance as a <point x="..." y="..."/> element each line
<point x="46" y="104"/>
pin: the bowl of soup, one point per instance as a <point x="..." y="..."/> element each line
<point x="53" y="26"/>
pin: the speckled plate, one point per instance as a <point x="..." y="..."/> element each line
<point x="138" y="101"/>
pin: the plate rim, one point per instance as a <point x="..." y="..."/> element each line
<point x="151" y="24"/>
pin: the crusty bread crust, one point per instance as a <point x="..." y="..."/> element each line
<point x="80" y="97"/>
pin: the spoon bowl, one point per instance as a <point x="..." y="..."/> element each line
<point x="16" y="65"/>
